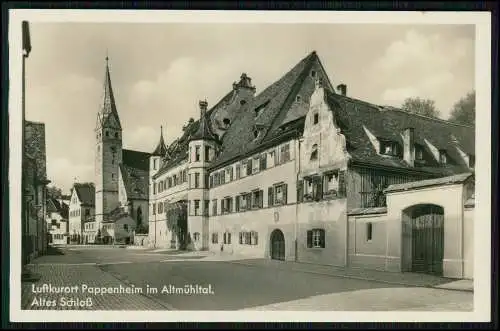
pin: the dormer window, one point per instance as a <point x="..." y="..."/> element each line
<point x="226" y="122"/>
<point x="472" y="161"/>
<point x="116" y="134"/>
<point x="298" y="98"/>
<point x="255" y="134"/>
<point x="314" y="152"/>
<point x="313" y="73"/>
<point x="390" y="148"/>
<point x="316" y="118"/>
<point x="107" y="134"/>
<point x="443" y="159"/>
<point x="242" y="102"/>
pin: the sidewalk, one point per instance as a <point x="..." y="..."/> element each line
<point x="78" y="275"/>
<point x="396" y="278"/>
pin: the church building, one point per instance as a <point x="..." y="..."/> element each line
<point x="121" y="178"/>
<point x="303" y="172"/>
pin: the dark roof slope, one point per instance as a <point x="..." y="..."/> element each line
<point x="454" y="179"/>
<point x="275" y="101"/>
<point x="136" y="182"/>
<point x="388" y="124"/>
<point x="55" y="206"/>
<point x="86" y="193"/>
<point x="136" y="159"/>
<point x="177" y="151"/>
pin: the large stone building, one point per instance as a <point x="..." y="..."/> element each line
<point x="121" y="175"/>
<point x="303" y="172"/>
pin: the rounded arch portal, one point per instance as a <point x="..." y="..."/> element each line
<point x="277" y="245"/>
<point x="423" y="239"/>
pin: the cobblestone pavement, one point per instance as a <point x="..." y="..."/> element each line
<point x="77" y="275"/>
<point x="385" y="299"/>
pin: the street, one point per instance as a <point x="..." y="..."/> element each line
<point x="235" y="284"/>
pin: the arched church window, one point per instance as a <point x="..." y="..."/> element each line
<point x="314" y="152"/>
<point x="116" y="134"/>
<point x="107" y="134"/>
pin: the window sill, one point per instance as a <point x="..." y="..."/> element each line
<point x="315" y="248"/>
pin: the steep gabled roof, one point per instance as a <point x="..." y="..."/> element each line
<point x="388" y="124"/>
<point x="136" y="182"/>
<point x="85" y="193"/>
<point x="108" y="111"/>
<point x="136" y="159"/>
<point x="275" y="101"/>
<point x="56" y="206"/>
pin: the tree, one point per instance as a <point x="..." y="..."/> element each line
<point x="54" y="192"/>
<point x="420" y="106"/>
<point x="464" y="110"/>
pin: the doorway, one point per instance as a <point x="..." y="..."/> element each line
<point x="277" y="245"/>
<point x="423" y="239"/>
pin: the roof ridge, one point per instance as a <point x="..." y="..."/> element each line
<point x="396" y="109"/>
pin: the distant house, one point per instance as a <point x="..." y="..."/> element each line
<point x="81" y="210"/>
<point x="57" y="221"/>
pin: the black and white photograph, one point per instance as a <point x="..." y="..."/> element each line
<point x="246" y="166"/>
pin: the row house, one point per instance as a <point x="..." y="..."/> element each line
<point x="81" y="212"/>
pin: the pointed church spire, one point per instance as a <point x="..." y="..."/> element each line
<point x="161" y="148"/>
<point x="109" y="104"/>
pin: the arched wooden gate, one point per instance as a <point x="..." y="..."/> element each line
<point x="277" y="245"/>
<point x="423" y="239"/>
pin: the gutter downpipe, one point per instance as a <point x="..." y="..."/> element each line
<point x="297" y="162"/>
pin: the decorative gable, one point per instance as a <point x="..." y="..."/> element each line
<point x="323" y="144"/>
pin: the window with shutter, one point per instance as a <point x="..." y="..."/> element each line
<point x="270" y="196"/>
<point x="309" y="239"/>
<point x="322" y="238"/>
<point x="249" y="167"/>
<point x="241" y="238"/>
<point x="263" y="161"/>
<point x="237" y="203"/>
<point x="231" y="173"/>
<point x="238" y="171"/>
<point x="229" y="237"/>
<point x="342" y="183"/>
<point x="285" y="193"/>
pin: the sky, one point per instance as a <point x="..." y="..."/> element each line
<point x="159" y="72"/>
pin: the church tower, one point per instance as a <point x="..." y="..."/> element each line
<point x="108" y="153"/>
<point x="203" y="145"/>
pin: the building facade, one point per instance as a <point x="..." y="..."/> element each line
<point x="57" y="221"/>
<point x="285" y="174"/>
<point x="35" y="235"/>
<point x="81" y="211"/>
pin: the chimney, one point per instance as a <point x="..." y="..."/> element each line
<point x="203" y="106"/>
<point x="342" y="89"/>
<point x="409" y="146"/>
<point x="245" y="83"/>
